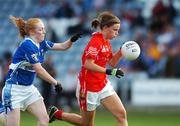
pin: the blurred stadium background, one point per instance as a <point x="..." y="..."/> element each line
<point x="150" y="89"/>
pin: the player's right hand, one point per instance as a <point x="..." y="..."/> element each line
<point x="58" y="88"/>
<point x="115" y="72"/>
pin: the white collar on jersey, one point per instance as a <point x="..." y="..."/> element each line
<point x="37" y="44"/>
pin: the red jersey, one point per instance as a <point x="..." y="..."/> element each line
<point x="100" y="51"/>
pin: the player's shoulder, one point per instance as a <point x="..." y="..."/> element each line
<point x="96" y="39"/>
<point x="27" y="43"/>
<point x="97" y="35"/>
<point x="46" y="42"/>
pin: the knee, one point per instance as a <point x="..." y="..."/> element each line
<point x="44" y="121"/>
<point x="122" y="116"/>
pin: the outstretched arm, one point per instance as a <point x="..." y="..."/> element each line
<point x="62" y="46"/>
<point x="67" y="44"/>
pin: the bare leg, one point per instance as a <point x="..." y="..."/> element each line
<point x="2" y="119"/>
<point x="88" y="118"/>
<point x="115" y="106"/>
<point x="38" y="109"/>
<point x="13" y="117"/>
<point x="72" y="118"/>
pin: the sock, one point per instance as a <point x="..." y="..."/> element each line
<point x="58" y="114"/>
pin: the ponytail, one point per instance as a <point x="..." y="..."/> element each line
<point x="95" y="23"/>
<point x="20" y="24"/>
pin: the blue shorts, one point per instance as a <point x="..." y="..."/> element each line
<point x="1" y="108"/>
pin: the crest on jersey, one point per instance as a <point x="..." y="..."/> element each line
<point x="34" y="57"/>
<point x="92" y="51"/>
<point x="105" y="49"/>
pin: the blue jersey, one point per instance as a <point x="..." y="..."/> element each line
<point x="28" y="53"/>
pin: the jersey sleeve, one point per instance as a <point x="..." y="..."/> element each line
<point x="92" y="49"/>
<point x="47" y="44"/>
<point x="31" y="52"/>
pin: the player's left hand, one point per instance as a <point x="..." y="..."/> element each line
<point x="58" y="88"/>
<point x="115" y="72"/>
<point x="75" y="37"/>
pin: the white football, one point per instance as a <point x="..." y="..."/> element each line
<point x="130" y="50"/>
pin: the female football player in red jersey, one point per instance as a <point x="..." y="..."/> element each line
<point x="94" y="88"/>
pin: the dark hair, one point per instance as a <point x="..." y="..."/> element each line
<point x="105" y="19"/>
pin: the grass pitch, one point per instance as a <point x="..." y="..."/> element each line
<point x="135" y="118"/>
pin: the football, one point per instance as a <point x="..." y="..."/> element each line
<point x="130" y="50"/>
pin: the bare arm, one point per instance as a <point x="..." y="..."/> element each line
<point x="62" y="46"/>
<point x="115" y="59"/>
<point x="90" y="65"/>
<point x="67" y="44"/>
<point x="42" y="73"/>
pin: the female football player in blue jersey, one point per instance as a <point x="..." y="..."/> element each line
<point x="19" y="93"/>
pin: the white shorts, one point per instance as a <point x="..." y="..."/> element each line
<point x="93" y="99"/>
<point x="20" y="96"/>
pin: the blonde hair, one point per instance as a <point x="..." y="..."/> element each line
<point x="23" y="25"/>
<point x="105" y="19"/>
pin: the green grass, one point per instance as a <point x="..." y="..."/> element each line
<point x="135" y="118"/>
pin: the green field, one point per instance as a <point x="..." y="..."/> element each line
<point x="135" y="118"/>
